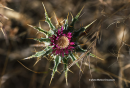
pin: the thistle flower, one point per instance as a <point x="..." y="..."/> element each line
<point x="60" y="43"/>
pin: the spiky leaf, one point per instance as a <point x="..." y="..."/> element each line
<point x="43" y="40"/>
<point x="41" y="53"/>
<point x="71" y="26"/>
<point x="73" y="58"/>
<point x="57" y="60"/>
<point x="65" y="62"/>
<point x="48" y="20"/>
<point x="77" y="33"/>
<point x="42" y="30"/>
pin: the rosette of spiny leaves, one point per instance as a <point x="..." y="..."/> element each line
<point x="60" y="43"/>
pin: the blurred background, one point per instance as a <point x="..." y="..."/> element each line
<point x="16" y="43"/>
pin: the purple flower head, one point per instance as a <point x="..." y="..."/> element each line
<point x="61" y="42"/>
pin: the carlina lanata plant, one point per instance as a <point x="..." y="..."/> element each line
<point x="61" y="43"/>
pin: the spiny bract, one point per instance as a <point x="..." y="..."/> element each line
<point x="60" y="43"/>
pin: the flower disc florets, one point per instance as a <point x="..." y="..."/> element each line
<point x="61" y="42"/>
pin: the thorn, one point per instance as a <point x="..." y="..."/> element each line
<point x="85" y="32"/>
<point x="77" y="16"/>
<point x="50" y="69"/>
<point x="44" y="7"/>
<point x="71" y="15"/>
<point x="66" y="78"/>
<point x="29" y="25"/>
<point x="66" y="82"/>
<point x="37" y="61"/>
<point x="82" y="9"/>
<point x="90" y="24"/>
<point x="57" y="22"/>
<point x="40" y="25"/>
<point x="26" y="58"/>
<point x="50" y="18"/>
<point x="70" y="70"/>
<point x="50" y="80"/>
<point x="58" y="72"/>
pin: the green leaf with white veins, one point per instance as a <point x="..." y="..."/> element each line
<point x="41" y="53"/>
<point x="48" y="20"/>
<point x="56" y="63"/>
